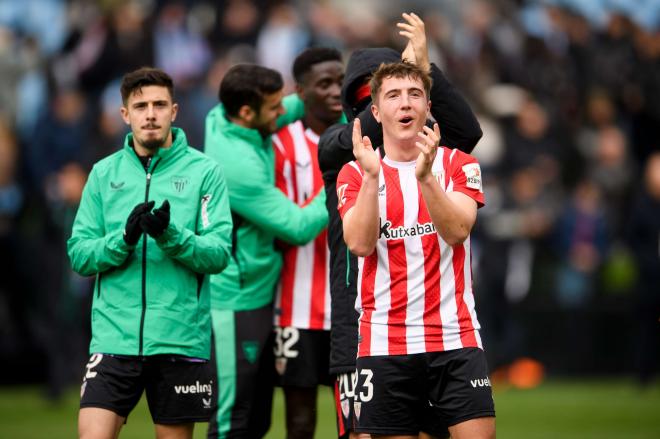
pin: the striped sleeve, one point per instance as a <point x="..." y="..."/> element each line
<point x="349" y="182"/>
<point x="465" y="174"/>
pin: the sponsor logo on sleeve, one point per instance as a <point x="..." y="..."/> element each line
<point x="473" y="176"/>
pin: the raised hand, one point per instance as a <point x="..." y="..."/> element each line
<point x="413" y="29"/>
<point x="364" y="152"/>
<point x="428" y="150"/>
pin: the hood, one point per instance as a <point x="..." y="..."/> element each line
<point x="362" y="63"/>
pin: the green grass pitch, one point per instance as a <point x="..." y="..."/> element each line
<point x="594" y="409"/>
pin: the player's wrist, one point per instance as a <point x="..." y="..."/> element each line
<point x="426" y="179"/>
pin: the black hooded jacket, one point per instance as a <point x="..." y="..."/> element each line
<point x="459" y="129"/>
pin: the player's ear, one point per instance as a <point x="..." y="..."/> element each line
<point x="300" y="91"/>
<point x="175" y="111"/>
<point x="375" y="112"/>
<point x="124" y="115"/>
<point x="246" y="113"/>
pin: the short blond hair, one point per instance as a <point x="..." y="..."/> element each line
<point x="403" y="69"/>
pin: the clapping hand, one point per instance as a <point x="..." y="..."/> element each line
<point x="364" y="152"/>
<point x="428" y="150"/>
<point x="154" y="223"/>
<point x="132" y="230"/>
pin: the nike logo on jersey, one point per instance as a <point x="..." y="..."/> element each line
<point x="114" y="185"/>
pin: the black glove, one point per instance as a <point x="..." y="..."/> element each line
<point x="155" y="223"/>
<point x="132" y="230"/>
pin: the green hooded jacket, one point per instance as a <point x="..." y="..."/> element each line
<point x="153" y="298"/>
<point x="261" y="212"/>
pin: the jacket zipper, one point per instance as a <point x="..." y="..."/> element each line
<point x="144" y="258"/>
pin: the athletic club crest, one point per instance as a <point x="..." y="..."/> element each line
<point x="280" y="365"/>
<point x="345" y="407"/>
<point x="179" y="183"/>
<point x="357" y="406"/>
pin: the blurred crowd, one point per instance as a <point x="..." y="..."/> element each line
<point x="567" y="93"/>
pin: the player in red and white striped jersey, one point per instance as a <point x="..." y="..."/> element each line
<point x="303" y="294"/>
<point x="302" y="303"/>
<point x="415" y="290"/>
<point x="408" y="217"/>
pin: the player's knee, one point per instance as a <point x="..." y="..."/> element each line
<point x="95" y="423"/>
<point x="301" y="424"/>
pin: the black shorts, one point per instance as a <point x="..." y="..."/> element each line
<point x="302" y="357"/>
<point x="406" y="394"/>
<point x="243" y="357"/>
<point x="179" y="389"/>
<point x="344" y="398"/>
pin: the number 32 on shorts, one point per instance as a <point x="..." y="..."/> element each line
<point x="285" y="340"/>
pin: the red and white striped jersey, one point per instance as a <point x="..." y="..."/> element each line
<point x="303" y="293"/>
<point x="414" y="290"/>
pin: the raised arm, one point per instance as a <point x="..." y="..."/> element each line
<point x="453" y="214"/>
<point x="459" y="126"/>
<point x="360" y="222"/>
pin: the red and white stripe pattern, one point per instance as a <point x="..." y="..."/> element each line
<point x="414" y="290"/>
<point x="303" y="293"/>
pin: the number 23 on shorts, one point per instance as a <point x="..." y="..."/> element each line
<point x="365" y="391"/>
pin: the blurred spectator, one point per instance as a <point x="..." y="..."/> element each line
<point x="644" y="240"/>
<point x="529" y="142"/>
<point x="512" y="228"/>
<point x="13" y="304"/>
<point x="113" y="41"/>
<point x="180" y="51"/>
<point x="60" y="136"/>
<point x="281" y="39"/>
<point x="581" y="240"/>
<point x="610" y="167"/>
<point x="62" y="329"/>
<point x="238" y="22"/>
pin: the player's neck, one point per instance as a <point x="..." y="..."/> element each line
<point x="400" y="151"/>
<point x="316" y="125"/>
